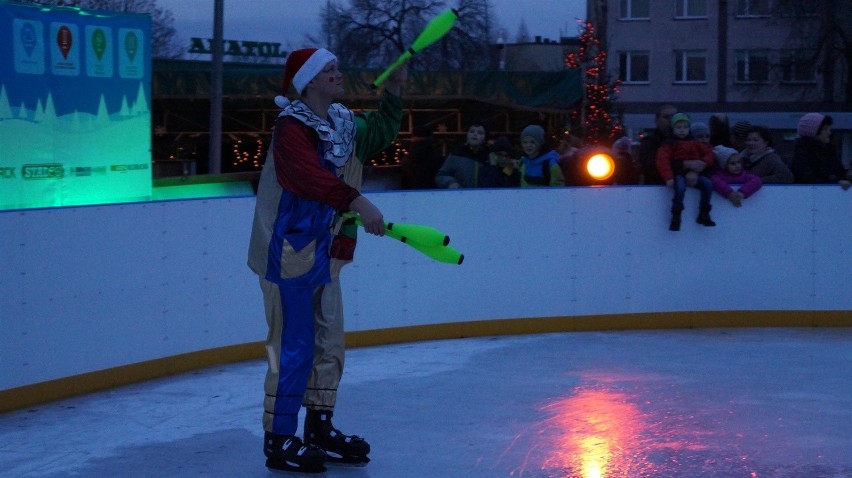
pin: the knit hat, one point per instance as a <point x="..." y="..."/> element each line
<point x="501" y="145"/>
<point x="535" y="132"/>
<point x="722" y="154"/>
<point x="741" y="128"/>
<point x="699" y="129"/>
<point x="622" y="144"/>
<point x="680" y="117"/>
<point x="810" y="124"/>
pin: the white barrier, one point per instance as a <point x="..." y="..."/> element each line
<point x="95" y="288"/>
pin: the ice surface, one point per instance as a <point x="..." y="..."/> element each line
<point x="674" y="403"/>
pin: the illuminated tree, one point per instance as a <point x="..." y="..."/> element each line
<point x="593" y="120"/>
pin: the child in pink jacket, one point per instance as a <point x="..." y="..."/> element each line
<point x="733" y="174"/>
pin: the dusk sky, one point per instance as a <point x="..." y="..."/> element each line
<point x="287" y="21"/>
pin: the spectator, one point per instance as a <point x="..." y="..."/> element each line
<point x="505" y="172"/>
<point x="720" y="130"/>
<point x="651" y="142"/>
<point x="680" y="161"/>
<point x="700" y="131"/>
<point x="733" y="174"/>
<point x="760" y="158"/>
<point x="627" y="167"/>
<point x="568" y="148"/>
<point x="815" y="159"/>
<point x="738" y="134"/>
<point x="421" y="164"/>
<point x="540" y="164"/>
<point x="462" y="167"/>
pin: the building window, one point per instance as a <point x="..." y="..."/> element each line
<point x="799" y="9"/>
<point x="754" y="8"/>
<point x="690" y="66"/>
<point x="691" y="9"/>
<point x="635" y="9"/>
<point x="752" y="66"/>
<point x="797" y="66"/>
<point x="634" y="66"/>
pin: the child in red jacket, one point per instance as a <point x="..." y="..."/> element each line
<point x="680" y="161"/>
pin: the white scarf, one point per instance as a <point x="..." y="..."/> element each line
<point x="337" y="143"/>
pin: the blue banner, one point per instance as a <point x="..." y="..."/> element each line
<point x="75" y="106"/>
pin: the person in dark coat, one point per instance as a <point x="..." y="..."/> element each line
<point x="504" y="172"/>
<point x="422" y="162"/>
<point x="651" y="142"/>
<point x="815" y="158"/>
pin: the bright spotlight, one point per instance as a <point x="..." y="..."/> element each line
<point x="600" y="167"/>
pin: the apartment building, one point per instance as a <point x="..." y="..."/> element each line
<point x="766" y="61"/>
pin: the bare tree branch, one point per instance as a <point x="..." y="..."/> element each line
<point x="373" y="33"/>
<point x="163" y="33"/>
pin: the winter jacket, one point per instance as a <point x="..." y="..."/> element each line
<point x="769" y="166"/>
<point x="815" y="162"/>
<point x="672" y="154"/>
<point x="722" y="181"/>
<point x="497" y="177"/>
<point x="463" y="166"/>
<point x="420" y="165"/>
<point x="543" y="170"/>
<point x="648" y="147"/>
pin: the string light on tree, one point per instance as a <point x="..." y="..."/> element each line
<point x="593" y="119"/>
<point x="391" y="156"/>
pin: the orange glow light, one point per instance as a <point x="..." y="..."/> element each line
<point x="600" y="166"/>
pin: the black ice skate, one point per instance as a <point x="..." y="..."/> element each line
<point x="342" y="449"/>
<point x="675" y="224"/>
<point x="704" y="216"/>
<point x="287" y="454"/>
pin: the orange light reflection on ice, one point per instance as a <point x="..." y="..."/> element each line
<point x="594" y="433"/>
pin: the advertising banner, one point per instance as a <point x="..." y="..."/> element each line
<point x="75" y="106"/>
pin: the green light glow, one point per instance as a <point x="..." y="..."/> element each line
<point x="206" y="190"/>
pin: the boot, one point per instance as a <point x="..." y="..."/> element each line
<point x="675" y="224"/>
<point x="287" y="453"/>
<point x="704" y="216"/>
<point x="342" y="449"/>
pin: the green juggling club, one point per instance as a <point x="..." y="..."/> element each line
<point x="427" y="240"/>
<point x="434" y="31"/>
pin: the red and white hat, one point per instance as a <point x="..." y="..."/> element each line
<point x="302" y="66"/>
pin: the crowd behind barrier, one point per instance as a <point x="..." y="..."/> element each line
<point x="482" y="161"/>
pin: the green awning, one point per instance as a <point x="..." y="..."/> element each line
<point x="546" y="90"/>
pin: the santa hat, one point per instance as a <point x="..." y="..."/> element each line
<point x="301" y="67"/>
<point x="810" y="124"/>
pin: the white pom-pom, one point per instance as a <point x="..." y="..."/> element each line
<point x="281" y="101"/>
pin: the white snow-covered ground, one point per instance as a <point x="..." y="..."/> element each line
<point x="671" y="403"/>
